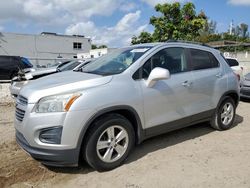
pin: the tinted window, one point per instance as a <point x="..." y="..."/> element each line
<point x="232" y="62"/>
<point x="202" y="59"/>
<point x="69" y="66"/>
<point x="26" y="63"/>
<point x="4" y="61"/>
<point x="173" y="59"/>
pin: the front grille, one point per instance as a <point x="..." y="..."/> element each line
<point x="19" y="114"/>
<point x="22" y="100"/>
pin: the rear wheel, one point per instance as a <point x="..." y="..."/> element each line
<point x="109" y="142"/>
<point x="224" y="116"/>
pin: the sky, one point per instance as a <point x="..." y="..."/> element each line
<point x="110" y="22"/>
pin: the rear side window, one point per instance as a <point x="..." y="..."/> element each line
<point x="232" y="62"/>
<point x="4" y="61"/>
<point x="202" y="60"/>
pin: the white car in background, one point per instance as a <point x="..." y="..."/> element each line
<point x="238" y="70"/>
<point x="22" y="79"/>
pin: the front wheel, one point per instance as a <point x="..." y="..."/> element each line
<point x="109" y="142"/>
<point x="224" y="116"/>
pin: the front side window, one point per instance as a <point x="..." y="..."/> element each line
<point x="202" y="60"/>
<point x="116" y="61"/>
<point x="173" y="59"/>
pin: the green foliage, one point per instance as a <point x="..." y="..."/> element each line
<point x="93" y="46"/>
<point x="144" y="37"/>
<point x="174" y="22"/>
<point x="183" y="23"/>
<point x="102" y="46"/>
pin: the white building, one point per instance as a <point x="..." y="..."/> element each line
<point x="41" y="48"/>
<point x="94" y="53"/>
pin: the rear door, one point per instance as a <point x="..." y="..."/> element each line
<point x="209" y="80"/>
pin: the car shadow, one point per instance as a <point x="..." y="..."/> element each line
<point x="152" y="145"/>
<point x="174" y="138"/>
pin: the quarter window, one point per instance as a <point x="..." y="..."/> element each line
<point x="202" y="60"/>
<point x="173" y="59"/>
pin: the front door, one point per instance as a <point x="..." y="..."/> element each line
<point x="168" y="100"/>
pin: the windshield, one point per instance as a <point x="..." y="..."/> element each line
<point x="69" y="66"/>
<point x="115" y="62"/>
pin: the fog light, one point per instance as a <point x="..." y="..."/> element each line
<point x="51" y="135"/>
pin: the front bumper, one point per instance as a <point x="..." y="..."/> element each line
<point x="29" y="127"/>
<point x="48" y="156"/>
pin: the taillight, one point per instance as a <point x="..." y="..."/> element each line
<point x="238" y="76"/>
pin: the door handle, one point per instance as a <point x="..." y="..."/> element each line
<point x="219" y="75"/>
<point x="186" y="83"/>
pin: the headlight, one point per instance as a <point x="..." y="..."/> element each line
<point x="56" y="103"/>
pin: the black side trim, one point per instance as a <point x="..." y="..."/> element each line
<point x="49" y="157"/>
<point x="178" y="124"/>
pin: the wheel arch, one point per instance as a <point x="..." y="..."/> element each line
<point x="126" y="111"/>
<point x="233" y="94"/>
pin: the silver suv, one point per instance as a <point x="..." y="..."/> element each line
<point x="119" y="100"/>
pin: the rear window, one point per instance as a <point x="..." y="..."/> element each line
<point x="26" y="63"/>
<point x="203" y="60"/>
<point x="232" y="62"/>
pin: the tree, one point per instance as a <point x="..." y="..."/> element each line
<point x="102" y="46"/>
<point x="144" y="37"/>
<point x="174" y="22"/>
<point x="93" y="46"/>
<point x="243" y="30"/>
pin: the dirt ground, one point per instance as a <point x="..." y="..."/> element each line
<point x="196" y="156"/>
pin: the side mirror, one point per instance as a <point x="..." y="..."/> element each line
<point x="157" y="74"/>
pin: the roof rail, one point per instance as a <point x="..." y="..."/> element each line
<point x="189" y="42"/>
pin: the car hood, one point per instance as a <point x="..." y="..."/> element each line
<point x="64" y="82"/>
<point x="43" y="71"/>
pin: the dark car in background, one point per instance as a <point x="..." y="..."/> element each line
<point x="11" y="65"/>
<point x="245" y="88"/>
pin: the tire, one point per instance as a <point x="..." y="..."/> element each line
<point x="114" y="148"/>
<point x="223" y="119"/>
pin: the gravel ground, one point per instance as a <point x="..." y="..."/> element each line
<point x="196" y="156"/>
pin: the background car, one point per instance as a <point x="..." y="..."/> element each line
<point x="238" y="70"/>
<point x="11" y="65"/>
<point x="23" y="78"/>
<point x="245" y="88"/>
